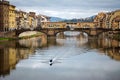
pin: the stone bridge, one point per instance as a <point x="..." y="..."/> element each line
<point x="53" y="31"/>
<point x="52" y="28"/>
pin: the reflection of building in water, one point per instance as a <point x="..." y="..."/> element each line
<point x="105" y="43"/>
<point x="114" y="53"/>
<point x="4" y="62"/>
<point x="12" y="52"/>
<point x="12" y="58"/>
<point x="23" y="53"/>
<point x="9" y="58"/>
<point x="93" y="43"/>
<point x="107" y="46"/>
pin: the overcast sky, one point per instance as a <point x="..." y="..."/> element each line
<point x="67" y="8"/>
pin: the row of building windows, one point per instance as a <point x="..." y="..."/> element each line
<point x="12" y="11"/>
<point x="5" y="21"/>
<point x="11" y="15"/>
<point x="5" y="9"/>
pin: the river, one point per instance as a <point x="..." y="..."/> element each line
<point x="63" y="57"/>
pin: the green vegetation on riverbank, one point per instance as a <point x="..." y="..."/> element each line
<point x="6" y="39"/>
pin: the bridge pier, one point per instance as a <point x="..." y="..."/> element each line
<point x="51" y="40"/>
<point x="93" y="32"/>
<point x="51" y="33"/>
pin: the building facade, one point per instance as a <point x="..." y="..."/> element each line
<point x="4" y="15"/>
<point x="22" y="19"/>
<point x="42" y="19"/>
<point x="108" y="20"/>
<point x="12" y="18"/>
<point x="32" y="20"/>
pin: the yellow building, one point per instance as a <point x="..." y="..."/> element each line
<point x="7" y="16"/>
<point x="32" y="20"/>
<point x="12" y="57"/>
<point x="108" y="20"/>
<point x="12" y="17"/>
<point x="100" y="20"/>
<point x="4" y="13"/>
<point x="4" y="62"/>
<point x="114" y="20"/>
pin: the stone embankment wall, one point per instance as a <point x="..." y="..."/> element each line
<point x="28" y="33"/>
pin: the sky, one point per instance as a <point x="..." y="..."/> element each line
<point x="67" y="9"/>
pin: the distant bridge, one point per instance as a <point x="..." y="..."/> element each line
<point x="53" y="31"/>
<point x="52" y="28"/>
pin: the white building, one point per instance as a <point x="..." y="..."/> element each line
<point x="41" y="19"/>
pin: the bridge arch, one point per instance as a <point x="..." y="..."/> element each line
<point x="114" y="21"/>
<point x="73" y="30"/>
<point x="20" y="32"/>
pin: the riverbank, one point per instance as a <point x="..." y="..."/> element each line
<point x="30" y="36"/>
<point x="23" y="36"/>
<point x="6" y="39"/>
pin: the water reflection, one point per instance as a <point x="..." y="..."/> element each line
<point x="107" y="46"/>
<point x="35" y="42"/>
<point x="13" y="51"/>
<point x="67" y="55"/>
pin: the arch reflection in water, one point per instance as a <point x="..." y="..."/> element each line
<point x="34" y="42"/>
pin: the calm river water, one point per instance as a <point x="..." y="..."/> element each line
<point x="62" y="58"/>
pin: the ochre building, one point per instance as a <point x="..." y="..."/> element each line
<point x="12" y="17"/>
<point x="4" y="15"/>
